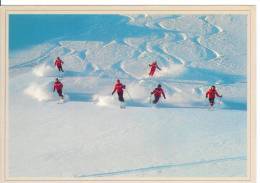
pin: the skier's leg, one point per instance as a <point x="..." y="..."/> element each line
<point x="121" y="97"/>
<point x="60" y="94"/>
<point x="61" y="69"/>
<point x="211" y="101"/>
<point x="156" y="99"/>
<point x="152" y="72"/>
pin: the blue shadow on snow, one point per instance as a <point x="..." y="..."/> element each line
<point x="79" y="97"/>
<point x="28" y="30"/>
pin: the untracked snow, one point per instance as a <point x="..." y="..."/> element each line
<point x="90" y="136"/>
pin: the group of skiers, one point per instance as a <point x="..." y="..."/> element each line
<point x="119" y="87"/>
<point x="57" y="84"/>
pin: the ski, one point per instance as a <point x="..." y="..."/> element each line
<point x="211" y="108"/>
<point x="61" y="101"/>
<point x="122" y="105"/>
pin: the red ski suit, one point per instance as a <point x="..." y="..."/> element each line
<point x="158" y="92"/>
<point x="57" y="86"/>
<point x="211" y="93"/>
<point x="58" y="63"/>
<point x="153" y="66"/>
<point x="118" y="88"/>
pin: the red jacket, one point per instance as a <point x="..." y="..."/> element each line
<point x="158" y="92"/>
<point x="211" y="93"/>
<point x="119" y="88"/>
<point x="58" y="86"/>
<point x="58" y="62"/>
<point x="154" y="66"/>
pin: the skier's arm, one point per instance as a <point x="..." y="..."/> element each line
<point x="207" y="94"/>
<point x="114" y="91"/>
<point x="152" y="92"/>
<point x="53" y="88"/>
<point x="55" y="63"/>
<point x="218" y="94"/>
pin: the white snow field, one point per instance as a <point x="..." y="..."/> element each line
<point x="90" y="136"/>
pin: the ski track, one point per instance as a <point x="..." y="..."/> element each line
<point x="181" y="36"/>
<point x="141" y="48"/>
<point x="122" y="68"/>
<point x="159" y="53"/>
<point x="216" y="27"/>
<point x="211" y="54"/>
<point x="154" y="23"/>
<point x="118" y="67"/>
<point x="174" y="58"/>
<point x="163" y="27"/>
<point x="166" y="166"/>
<point x="218" y="30"/>
<point x="35" y="61"/>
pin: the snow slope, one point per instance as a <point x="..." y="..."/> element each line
<point x="178" y="137"/>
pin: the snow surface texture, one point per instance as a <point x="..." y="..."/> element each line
<point x="90" y="136"/>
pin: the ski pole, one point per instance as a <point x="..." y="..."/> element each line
<point x="206" y="101"/>
<point x="220" y="101"/>
<point x="129" y="95"/>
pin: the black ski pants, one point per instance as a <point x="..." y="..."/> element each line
<point x="121" y="97"/>
<point x="156" y="99"/>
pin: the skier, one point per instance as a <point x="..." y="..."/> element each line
<point x="153" y="67"/>
<point x="119" y="88"/>
<point x="157" y="92"/>
<point x="59" y="63"/>
<point x="211" y="94"/>
<point x="58" y="87"/>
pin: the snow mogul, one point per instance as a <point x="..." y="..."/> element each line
<point x="158" y="92"/>
<point x="119" y="88"/>
<point x="58" y="63"/>
<point x="153" y="68"/>
<point x="211" y="94"/>
<point x="58" y="87"/>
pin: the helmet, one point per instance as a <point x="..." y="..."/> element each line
<point x="118" y="81"/>
<point x="57" y="79"/>
<point x="159" y="86"/>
